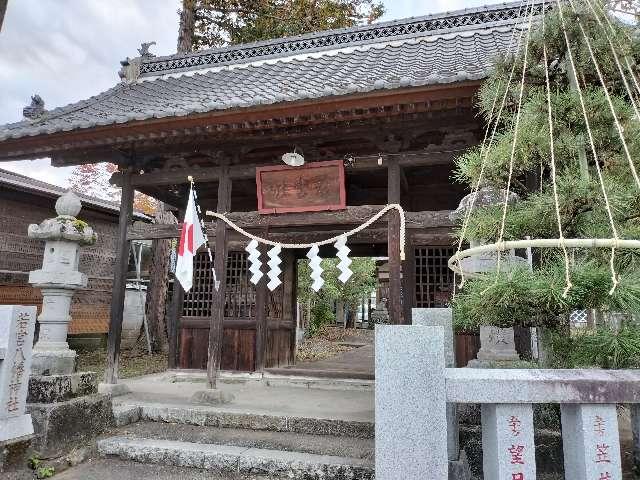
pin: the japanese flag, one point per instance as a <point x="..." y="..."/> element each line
<point x="191" y="238"/>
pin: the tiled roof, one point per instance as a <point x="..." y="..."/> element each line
<point x="27" y="184"/>
<point x="436" y="49"/>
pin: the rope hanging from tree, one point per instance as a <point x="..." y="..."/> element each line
<point x="615" y="242"/>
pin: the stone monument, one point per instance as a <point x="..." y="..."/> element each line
<point x="58" y="279"/>
<point x="496" y="345"/>
<point x="63" y="403"/>
<point x="17" y="324"/>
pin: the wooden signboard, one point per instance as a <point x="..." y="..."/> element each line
<point x="314" y="187"/>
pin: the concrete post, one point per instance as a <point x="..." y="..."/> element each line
<point x="635" y="427"/>
<point x="443" y="317"/>
<point x="17" y="325"/>
<point x="58" y="279"/>
<point x="508" y="449"/>
<point x="591" y="442"/>
<point x="410" y="403"/>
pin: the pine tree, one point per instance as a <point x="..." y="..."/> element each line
<point x="529" y="298"/>
<point x="215" y="23"/>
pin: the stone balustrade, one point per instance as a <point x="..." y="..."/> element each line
<point x="413" y="422"/>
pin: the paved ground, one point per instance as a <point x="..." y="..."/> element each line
<point x="255" y="397"/>
<point x="356" y="363"/>
<point x="112" y="469"/>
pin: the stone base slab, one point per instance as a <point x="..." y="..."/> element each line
<point x="53" y="362"/>
<point x="237" y="460"/>
<point x="61" y="426"/>
<point x="13" y="453"/>
<point x="59" y="388"/>
<point x="460" y="469"/>
<point x="15" y="427"/>
<point x="113" y="389"/>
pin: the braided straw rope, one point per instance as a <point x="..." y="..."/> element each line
<point x="368" y="223"/>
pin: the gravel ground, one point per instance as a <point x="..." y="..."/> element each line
<point x="325" y="344"/>
<point x="133" y="363"/>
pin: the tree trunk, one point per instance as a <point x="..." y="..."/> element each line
<point x="3" y="9"/>
<point x="158" y="286"/>
<point x="187" y="26"/>
<point x="351" y="316"/>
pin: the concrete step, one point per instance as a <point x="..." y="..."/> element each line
<point x="237" y="460"/>
<point x="115" y="469"/>
<point x="359" y="448"/>
<point x="213" y="417"/>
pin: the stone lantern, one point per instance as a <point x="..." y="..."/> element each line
<point x="58" y="279"/>
<point x="496" y="344"/>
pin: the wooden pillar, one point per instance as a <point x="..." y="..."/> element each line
<point x="119" y="280"/>
<point x="289" y="280"/>
<point x="175" y="312"/>
<point x="408" y="281"/>
<point x="393" y="243"/>
<point x="262" y="296"/>
<point x="220" y="265"/>
<point x="173" y="325"/>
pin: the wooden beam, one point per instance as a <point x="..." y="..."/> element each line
<point x="253" y="220"/>
<point x="119" y="281"/>
<point x="393" y="244"/>
<point x="442" y="155"/>
<point x="219" y="262"/>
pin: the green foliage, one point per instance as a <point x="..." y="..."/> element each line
<point x="321" y="315"/>
<point x="41" y="471"/>
<point x="223" y="22"/>
<point x="359" y="286"/>
<point x="603" y="348"/>
<point x="535" y="298"/>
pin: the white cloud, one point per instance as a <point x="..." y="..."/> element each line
<point x="69" y="50"/>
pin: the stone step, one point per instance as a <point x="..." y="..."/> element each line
<point x="244" y="461"/>
<point x="214" y="417"/>
<point x="359" y="448"/>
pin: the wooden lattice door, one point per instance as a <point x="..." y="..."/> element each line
<point x="434" y="279"/>
<point x="238" y="343"/>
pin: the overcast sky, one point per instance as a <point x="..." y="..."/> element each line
<point x="69" y="50"/>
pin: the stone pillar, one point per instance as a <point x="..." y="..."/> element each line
<point x="443" y="317"/>
<point x="410" y="403"/>
<point x="508" y="449"/>
<point x="58" y="279"/>
<point x="17" y="325"/>
<point x="591" y="442"/>
<point x="635" y="427"/>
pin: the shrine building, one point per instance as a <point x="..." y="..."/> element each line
<point x="378" y="113"/>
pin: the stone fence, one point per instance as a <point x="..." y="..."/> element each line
<point x="416" y="426"/>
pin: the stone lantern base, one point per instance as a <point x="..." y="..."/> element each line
<point x="53" y="362"/>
